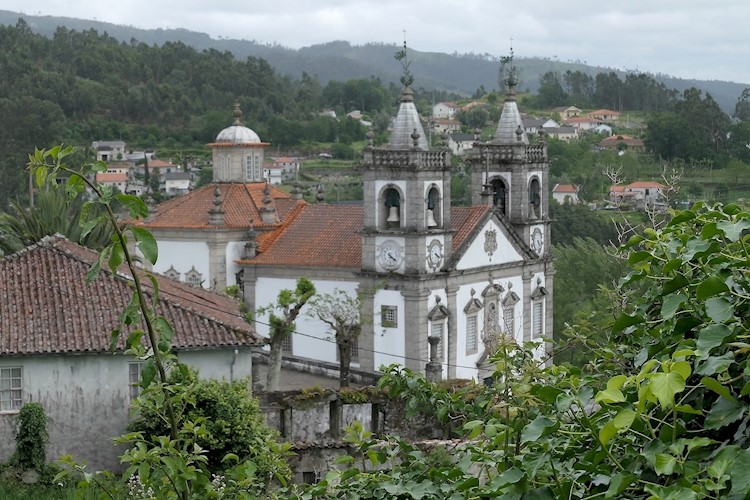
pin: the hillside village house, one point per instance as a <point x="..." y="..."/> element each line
<point x="55" y="337"/>
<point x="567" y="112"/>
<point x="605" y="115"/>
<point x="464" y="275"/>
<point x="565" y="193"/>
<point x="109" y="150"/>
<point x="642" y="194"/>
<point x="622" y="141"/>
<point x="445" y="110"/>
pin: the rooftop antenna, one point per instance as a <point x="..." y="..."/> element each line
<point x="407" y="78"/>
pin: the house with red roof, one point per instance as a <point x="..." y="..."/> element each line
<point x="445" y="110"/>
<point x="565" y="193"/>
<point x="641" y="194"/>
<point x="54" y="346"/>
<point x="461" y="277"/>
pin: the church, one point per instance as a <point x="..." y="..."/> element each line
<point x="468" y="276"/>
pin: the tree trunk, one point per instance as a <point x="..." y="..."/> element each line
<point x="274" y="363"/>
<point x="345" y="359"/>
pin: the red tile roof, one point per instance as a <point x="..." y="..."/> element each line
<point x="328" y="236"/>
<point x="111" y="177"/>
<point x="564" y="188"/>
<point x="645" y="185"/>
<point x="48" y="306"/>
<point x="241" y="203"/>
<point x="464" y="220"/>
<point x="316" y="236"/>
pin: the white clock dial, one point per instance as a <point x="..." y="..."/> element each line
<point x="537" y="241"/>
<point x="390" y="255"/>
<point x="435" y="254"/>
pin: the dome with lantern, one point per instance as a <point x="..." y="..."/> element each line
<point x="237" y="133"/>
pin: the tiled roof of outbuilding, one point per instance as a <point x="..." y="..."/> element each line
<point x="241" y="203"/>
<point x="48" y="306"/>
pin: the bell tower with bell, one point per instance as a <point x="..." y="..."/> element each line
<point x="406" y="224"/>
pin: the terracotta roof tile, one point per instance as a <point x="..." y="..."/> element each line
<point x="645" y="184"/>
<point x="464" y="220"/>
<point x="564" y="188"/>
<point x="50" y="308"/>
<point x="316" y="236"/>
<point x="241" y="203"/>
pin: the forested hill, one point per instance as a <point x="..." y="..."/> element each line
<point x="338" y="60"/>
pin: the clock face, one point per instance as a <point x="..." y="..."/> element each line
<point x="537" y="241"/>
<point x="390" y="255"/>
<point x="435" y="254"/>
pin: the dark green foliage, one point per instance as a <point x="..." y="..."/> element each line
<point x="579" y="221"/>
<point x="577" y="284"/>
<point x="54" y="212"/>
<point x="232" y="418"/>
<point x="31" y="438"/>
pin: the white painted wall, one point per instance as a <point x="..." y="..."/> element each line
<point x="476" y="256"/>
<point x="314" y="339"/>
<point x="183" y="255"/>
<point x="390" y="343"/>
<point x="233" y="253"/>
<point x="87" y="399"/>
<point x="431" y="303"/>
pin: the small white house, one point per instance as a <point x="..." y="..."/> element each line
<point x="445" y="110"/>
<point x="177" y="183"/>
<point x="565" y="193"/>
<point x="109" y="150"/>
<point x="54" y="346"/>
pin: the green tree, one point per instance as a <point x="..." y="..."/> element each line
<point x="341" y="313"/>
<point x="233" y="421"/>
<point x="53" y="212"/>
<point x="281" y="317"/>
<point x="742" y="108"/>
<point x="551" y="92"/>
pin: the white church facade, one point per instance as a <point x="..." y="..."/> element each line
<point x="468" y="275"/>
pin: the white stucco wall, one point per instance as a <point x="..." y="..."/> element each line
<point x="313" y="338"/>
<point x="431" y="303"/>
<point x="476" y="256"/>
<point x="233" y="253"/>
<point x="87" y="399"/>
<point x="390" y="345"/>
<point x="183" y="255"/>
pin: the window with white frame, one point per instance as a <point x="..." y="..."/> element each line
<point x="437" y="331"/>
<point x="389" y="316"/>
<point x="509" y="324"/>
<point x="134" y="380"/>
<point x="538" y="320"/>
<point x="287" y="345"/>
<point x="11" y="393"/>
<point x="472" y="334"/>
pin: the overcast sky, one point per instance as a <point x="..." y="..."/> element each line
<point x="701" y="39"/>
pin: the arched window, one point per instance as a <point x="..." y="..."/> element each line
<point x="499" y="194"/>
<point x="433" y="214"/>
<point x="535" y="199"/>
<point x="391" y="213"/>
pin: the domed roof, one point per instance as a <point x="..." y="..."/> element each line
<point x="237" y="133"/>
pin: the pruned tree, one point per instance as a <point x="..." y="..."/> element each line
<point x="342" y="313"/>
<point x="281" y="317"/>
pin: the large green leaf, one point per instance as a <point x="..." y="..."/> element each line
<point x="146" y="244"/>
<point x="740" y="476"/>
<point x="537" y="428"/>
<point x="665" y="464"/>
<point x="665" y="386"/>
<point x="671" y="304"/>
<point x="719" y="309"/>
<point x="712" y="336"/>
<point x="733" y="230"/>
<point x="724" y="412"/>
<point x="713" y="285"/>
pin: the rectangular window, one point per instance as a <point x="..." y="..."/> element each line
<point x="286" y="345"/>
<point x="437" y="331"/>
<point x="355" y="350"/>
<point x="471" y="334"/>
<point x="258" y="165"/>
<point x="309" y="477"/>
<point x="389" y="316"/>
<point x="134" y="380"/>
<point x="11" y="394"/>
<point x="538" y="320"/>
<point x="508" y="321"/>
<point x="250" y="168"/>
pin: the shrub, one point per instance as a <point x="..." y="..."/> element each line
<point x="232" y="418"/>
<point x="31" y="438"/>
